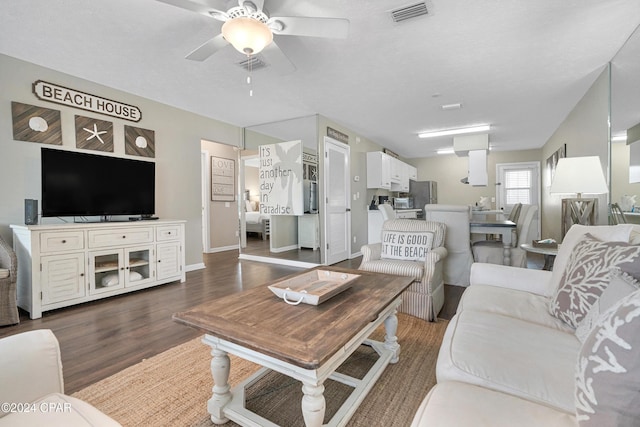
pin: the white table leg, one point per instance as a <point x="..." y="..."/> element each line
<point x="390" y="338"/>
<point x="313" y="405"/>
<point x="506" y="244"/>
<point x="220" y="367"/>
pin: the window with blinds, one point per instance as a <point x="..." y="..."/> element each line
<point x="517" y="186"/>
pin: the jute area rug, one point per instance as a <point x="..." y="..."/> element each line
<point x="172" y="388"/>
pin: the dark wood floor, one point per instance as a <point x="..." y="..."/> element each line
<point x="100" y="338"/>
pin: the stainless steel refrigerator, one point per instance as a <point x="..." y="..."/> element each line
<point x="423" y="192"/>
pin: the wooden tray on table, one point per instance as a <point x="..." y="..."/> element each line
<point x="313" y="287"/>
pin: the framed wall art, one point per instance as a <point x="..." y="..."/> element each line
<point x="223" y="173"/>
<point x="552" y="162"/>
<point x="94" y="134"/>
<point x="139" y="142"/>
<point x="36" y="124"/>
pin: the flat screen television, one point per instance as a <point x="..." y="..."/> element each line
<point x="80" y="184"/>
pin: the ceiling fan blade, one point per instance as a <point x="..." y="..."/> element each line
<point x="337" y="28"/>
<point x="252" y="5"/>
<point x="277" y="59"/>
<point x="207" y="49"/>
<point x="211" y="8"/>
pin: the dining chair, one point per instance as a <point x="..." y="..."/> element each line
<point x="457" y="264"/>
<point x="387" y="211"/>
<point x="617" y="216"/>
<point x="492" y="252"/>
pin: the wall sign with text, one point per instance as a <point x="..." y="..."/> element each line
<point x="280" y="178"/>
<point x="223" y="175"/>
<point x="74" y="98"/>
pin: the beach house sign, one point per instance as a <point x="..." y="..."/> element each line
<point x="51" y="92"/>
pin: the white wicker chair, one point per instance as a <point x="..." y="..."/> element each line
<point x="425" y="297"/>
<point x="8" y="302"/>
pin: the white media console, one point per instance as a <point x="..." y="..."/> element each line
<point x="65" y="264"/>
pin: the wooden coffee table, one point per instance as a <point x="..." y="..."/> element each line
<point x="305" y="342"/>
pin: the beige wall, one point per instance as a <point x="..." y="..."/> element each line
<point x="223" y="216"/>
<point x="177" y="136"/>
<point x="585" y="132"/>
<point x="447" y="170"/>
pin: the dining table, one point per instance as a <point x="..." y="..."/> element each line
<point x="496" y="226"/>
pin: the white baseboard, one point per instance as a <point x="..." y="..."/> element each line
<point x="194" y="267"/>
<point x="223" y="249"/>
<point x="285" y="249"/>
<point x="356" y="255"/>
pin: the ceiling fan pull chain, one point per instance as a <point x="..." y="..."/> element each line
<point x="250" y="68"/>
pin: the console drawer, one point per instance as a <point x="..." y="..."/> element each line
<point x="58" y="241"/>
<point x="167" y="232"/>
<point x="120" y="236"/>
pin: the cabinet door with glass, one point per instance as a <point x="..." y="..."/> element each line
<point x="106" y="270"/>
<point x="139" y="265"/>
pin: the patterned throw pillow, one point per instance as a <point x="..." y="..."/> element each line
<point x="406" y="245"/>
<point x="587" y="275"/>
<point x="620" y="285"/>
<point x="608" y="368"/>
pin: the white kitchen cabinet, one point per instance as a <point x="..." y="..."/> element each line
<point x="374" y="226"/>
<point x="403" y="183"/>
<point x="378" y="170"/>
<point x="119" y="258"/>
<point x="413" y="172"/>
<point x="397" y="170"/>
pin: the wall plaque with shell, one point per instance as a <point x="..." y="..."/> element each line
<point x="36" y="124"/>
<point x="139" y="142"/>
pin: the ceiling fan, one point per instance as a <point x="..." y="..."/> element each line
<point x="250" y="29"/>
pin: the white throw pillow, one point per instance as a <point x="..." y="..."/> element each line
<point x="620" y="285"/>
<point x="406" y="245"/>
<point x="110" y="279"/>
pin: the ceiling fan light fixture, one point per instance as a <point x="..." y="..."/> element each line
<point x="247" y="35"/>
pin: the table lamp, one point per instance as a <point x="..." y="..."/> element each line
<point x="579" y="175"/>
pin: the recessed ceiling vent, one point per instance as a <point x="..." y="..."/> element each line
<point x="408" y="12"/>
<point x="252" y="63"/>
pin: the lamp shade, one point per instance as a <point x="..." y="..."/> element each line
<point x="579" y="175"/>
<point x="247" y="35"/>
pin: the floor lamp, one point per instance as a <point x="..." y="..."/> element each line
<point x="579" y="175"/>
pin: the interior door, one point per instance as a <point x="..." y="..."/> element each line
<point x="338" y="204"/>
<point x="519" y="183"/>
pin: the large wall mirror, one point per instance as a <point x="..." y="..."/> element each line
<point x="625" y="115"/>
<point x="289" y="239"/>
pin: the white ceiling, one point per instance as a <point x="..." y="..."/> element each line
<point x="519" y="65"/>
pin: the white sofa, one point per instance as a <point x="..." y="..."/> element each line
<point x="505" y="360"/>
<point x="32" y="387"/>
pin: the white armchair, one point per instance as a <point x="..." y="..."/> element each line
<point x="425" y="297"/>
<point x="31" y="374"/>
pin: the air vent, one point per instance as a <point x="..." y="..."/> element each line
<point x="252" y="63"/>
<point x="408" y="12"/>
